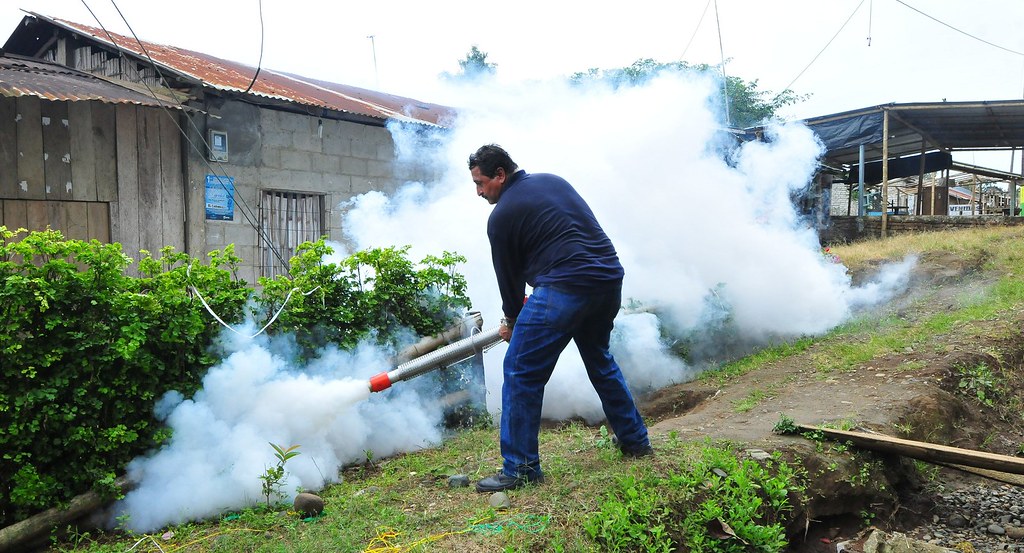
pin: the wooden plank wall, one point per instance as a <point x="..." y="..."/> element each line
<point x="75" y="220"/>
<point x="92" y="170"/>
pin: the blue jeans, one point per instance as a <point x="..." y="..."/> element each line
<point x="547" y="322"/>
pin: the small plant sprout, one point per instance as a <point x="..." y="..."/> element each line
<point x="605" y="439"/>
<point x="785" y="426"/>
<point x="273" y="477"/>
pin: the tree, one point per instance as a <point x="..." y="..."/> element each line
<point x="474" y="66"/>
<point x="748" y="106"/>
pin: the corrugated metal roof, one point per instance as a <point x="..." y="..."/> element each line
<point x="228" y="75"/>
<point x="981" y="125"/>
<point x="25" y="77"/>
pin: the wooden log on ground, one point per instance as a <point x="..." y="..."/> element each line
<point x="18" y="536"/>
<point x="924" y="451"/>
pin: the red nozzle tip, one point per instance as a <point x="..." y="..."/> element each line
<point x="380" y="382"/>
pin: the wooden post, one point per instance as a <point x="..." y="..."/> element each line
<point x="975" y="191"/>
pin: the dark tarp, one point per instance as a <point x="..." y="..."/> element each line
<point x="851" y="131"/>
<point x="902" y="167"/>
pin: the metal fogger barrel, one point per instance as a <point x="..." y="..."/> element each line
<point x="442" y="357"/>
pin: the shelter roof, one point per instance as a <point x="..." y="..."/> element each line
<point x="32" y="36"/>
<point x="917" y="127"/>
<point x="21" y="76"/>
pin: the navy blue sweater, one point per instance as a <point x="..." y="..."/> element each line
<point x="543" y="233"/>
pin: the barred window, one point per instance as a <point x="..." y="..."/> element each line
<point x="287" y="219"/>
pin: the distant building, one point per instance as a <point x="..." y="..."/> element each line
<point x="150" y="145"/>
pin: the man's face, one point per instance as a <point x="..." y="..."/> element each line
<point x="488" y="188"/>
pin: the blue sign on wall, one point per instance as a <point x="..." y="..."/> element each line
<point x="220" y="198"/>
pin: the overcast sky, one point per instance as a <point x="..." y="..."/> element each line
<point x="846" y="54"/>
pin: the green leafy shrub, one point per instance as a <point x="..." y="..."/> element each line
<point x="376" y="293"/>
<point x="719" y="504"/>
<point x="979" y="381"/>
<point x="86" y="350"/>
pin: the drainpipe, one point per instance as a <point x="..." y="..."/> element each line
<point x="885" y="170"/>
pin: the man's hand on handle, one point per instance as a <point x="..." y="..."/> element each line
<point x="505" y="328"/>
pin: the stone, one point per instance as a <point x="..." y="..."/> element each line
<point x="308" y="505"/>
<point x="499" y="500"/>
<point x="759" y="454"/>
<point x="370" y="490"/>
<point x="882" y="542"/>
<point x="458" y="481"/>
<point x="957" y="520"/>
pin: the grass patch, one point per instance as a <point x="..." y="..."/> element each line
<point x="716" y="502"/>
<point x="750" y="401"/>
<point x="593" y="499"/>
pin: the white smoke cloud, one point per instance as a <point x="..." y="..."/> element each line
<point x="222" y="436"/>
<point x="711" y="244"/>
<point x="707" y="237"/>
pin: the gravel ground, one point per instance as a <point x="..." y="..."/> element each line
<point x="981" y="517"/>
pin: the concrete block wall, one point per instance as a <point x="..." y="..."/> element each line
<point x="283" y="151"/>
<point x="840" y="204"/>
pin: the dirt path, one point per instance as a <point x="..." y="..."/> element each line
<point x="913" y="394"/>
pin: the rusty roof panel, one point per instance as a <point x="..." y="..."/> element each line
<point x="228" y="75"/>
<point x="25" y="77"/>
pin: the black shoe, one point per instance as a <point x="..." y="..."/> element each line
<point x="637" y="452"/>
<point x="501" y="482"/>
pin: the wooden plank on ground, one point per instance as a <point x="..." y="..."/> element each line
<point x="99" y="221"/>
<point x="124" y="216"/>
<point x="923" y="450"/>
<point x="104" y="135"/>
<point x="56" y="150"/>
<point x="172" y="190"/>
<point x="150" y="204"/>
<point x="30" y="149"/>
<point x="8" y="148"/>
<point x="83" y="151"/>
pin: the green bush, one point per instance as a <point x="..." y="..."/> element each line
<point x="86" y="350"/>
<point x="376" y="294"/>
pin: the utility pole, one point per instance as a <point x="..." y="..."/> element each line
<point x="373" y="46"/>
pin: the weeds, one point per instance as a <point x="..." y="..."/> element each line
<point x="750" y="401"/>
<point x="979" y="382"/>
<point x="718" y="504"/>
<point x="273" y="477"/>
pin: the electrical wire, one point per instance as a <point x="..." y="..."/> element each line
<point x="965" y="33"/>
<point x="695" y="29"/>
<point x="386" y="539"/>
<point x="829" y="43"/>
<point x="245" y="209"/>
<point x="259" y="63"/>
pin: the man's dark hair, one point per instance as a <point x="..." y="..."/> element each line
<point x="489" y="157"/>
